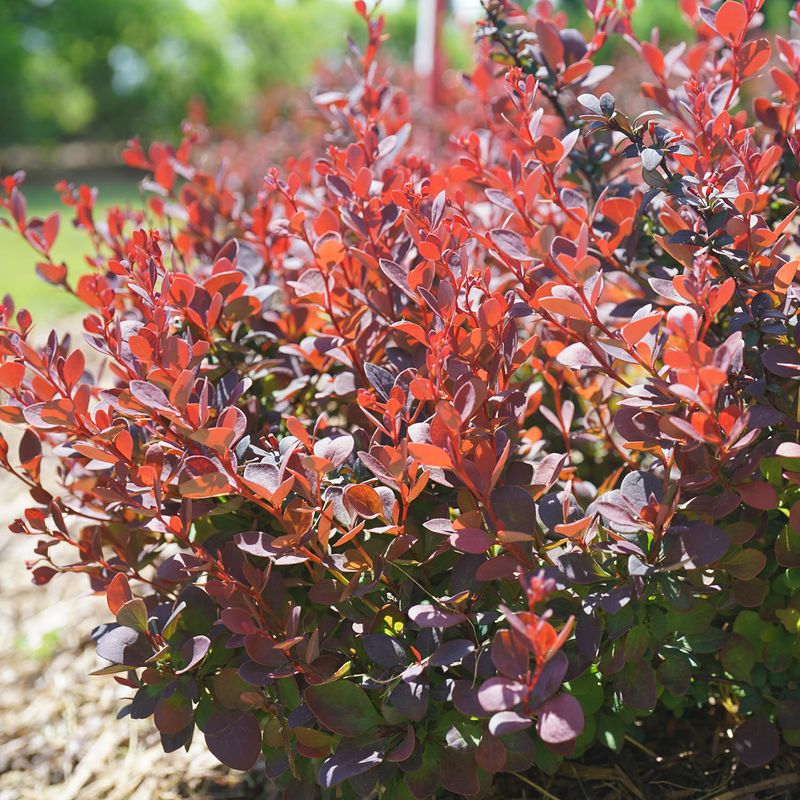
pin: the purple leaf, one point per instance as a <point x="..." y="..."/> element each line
<point x="179" y="567"/>
<point x="465" y="699"/>
<point x="500" y="198"/>
<point x="510" y="654"/>
<point x="266" y="475"/>
<point x="500" y="694"/>
<point x="411" y="699"/>
<point x="450" y="653"/>
<point x="695" y="545"/>
<point x="470" y="540"/>
<point x="384" y="650"/>
<point x="611" y="506"/>
<point x="550" y="679"/>
<point x="637" y="488"/>
<point x="546" y="471"/>
<point x="511" y="243"/>
<point x="335" y="450"/>
<point x="551" y="510"/>
<point x="756" y="741"/>
<point x="439" y="525"/>
<point x="782" y="360"/>
<point x="560" y="720"/>
<point x="346" y="763"/>
<point x="514" y="508"/>
<point x="193" y="652"/>
<point x="459" y="772"/>
<point x="428" y="616"/>
<point x="126" y="646"/>
<point x="234" y="737"/>
<point x="496" y="568"/>
<point x="149" y="395"/>
<point x="508" y="722"/>
<point x="342" y="707"/>
<point x="258" y="543"/>
<point x="263" y="651"/>
<point x="402" y="752"/>
<point x="491" y="753"/>
<point x="578" y="356"/>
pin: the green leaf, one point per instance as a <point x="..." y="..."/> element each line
<point x="693" y="621"/>
<point x="772" y="470"/>
<point x="738" y="657"/>
<point x="342" y="707"/>
<point x="288" y="692"/>
<point x="547" y="760"/>
<point x="133" y="614"/>
<point x="745" y="564"/>
<point x="790" y="618"/>
<point x="707" y="642"/>
<point x="636" y="642"/>
<point x="792" y="577"/>
<point x="611" y="732"/>
<point x="749" y="625"/>
<point x="675" y="674"/>
<point x="779" y="653"/>
<point x="787" y="548"/>
<point x="588" y="690"/>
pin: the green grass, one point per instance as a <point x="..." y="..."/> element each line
<point x="18" y="275"/>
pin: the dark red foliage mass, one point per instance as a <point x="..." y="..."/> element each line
<point x="421" y="463"/>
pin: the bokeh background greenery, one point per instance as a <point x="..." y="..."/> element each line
<point x="92" y="71"/>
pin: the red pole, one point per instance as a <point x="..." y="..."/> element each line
<point x="437" y="76"/>
<point x="429" y="60"/>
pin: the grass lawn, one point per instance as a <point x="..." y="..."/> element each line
<point x="18" y="260"/>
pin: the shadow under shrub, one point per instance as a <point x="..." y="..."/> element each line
<point x="420" y="463"/>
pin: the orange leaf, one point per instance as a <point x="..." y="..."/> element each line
<point x="211" y="484"/>
<point x="549" y="150"/>
<point x="429" y="250"/>
<point x="118" y="593"/>
<point x="219" y="439"/>
<point x="560" y="305"/>
<point x="364" y="500"/>
<point x="296" y="428"/>
<point x="634" y="331"/>
<point x="331" y="252"/>
<point x="350" y="535"/>
<point x="731" y="21"/>
<point x="753" y="56"/>
<point x="784" y="277"/>
<point x="11" y="375"/>
<point x="430" y="455"/>
<point x="52" y="273"/>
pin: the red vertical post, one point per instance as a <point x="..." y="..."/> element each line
<point x="439" y="61"/>
<point x="429" y="60"/>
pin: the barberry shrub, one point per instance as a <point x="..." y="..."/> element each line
<point x="418" y="464"/>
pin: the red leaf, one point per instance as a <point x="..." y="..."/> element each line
<point x="118" y="593"/>
<point x="430" y="455"/>
<point x="364" y="500"/>
<point x="731" y="21"/>
<point x="760" y="495"/>
<point x="11" y="375"/>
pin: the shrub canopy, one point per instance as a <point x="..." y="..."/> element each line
<point x="419" y="462"/>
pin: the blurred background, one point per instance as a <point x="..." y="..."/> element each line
<point x="80" y="77"/>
